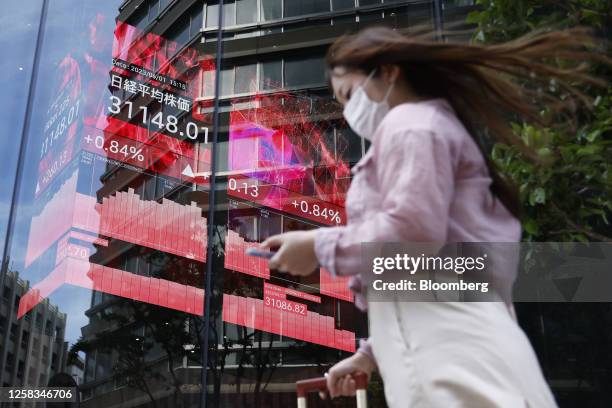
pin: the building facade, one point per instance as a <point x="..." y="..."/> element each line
<point x="33" y="348"/>
<point x="161" y="139"/>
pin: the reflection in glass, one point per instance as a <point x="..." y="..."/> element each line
<point x="227" y="81"/>
<point x="271" y="76"/>
<point x="229" y="13"/>
<point x="212" y="15"/>
<point x="112" y="222"/>
<point x="180" y="31"/>
<point x="246" y="11"/>
<point x="343" y="4"/>
<point x="302" y="7"/>
<point x="246" y="78"/>
<point x="153" y="10"/>
<point x="271" y="10"/>
<point x="18" y="42"/>
<point x="110" y="245"/>
<point x="197" y="21"/>
<point x="140" y="17"/>
<point x="301" y="71"/>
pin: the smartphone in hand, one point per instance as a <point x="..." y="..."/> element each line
<point x="259" y="253"/>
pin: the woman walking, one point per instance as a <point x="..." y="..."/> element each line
<point x="425" y="178"/>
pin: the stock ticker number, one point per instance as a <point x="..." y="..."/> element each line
<point x="167" y="123"/>
<point x="117" y="148"/>
<point x="59" y="123"/>
<point x="246" y="189"/>
<point x="286" y="305"/>
<point x="317" y="210"/>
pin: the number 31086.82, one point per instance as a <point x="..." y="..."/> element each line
<point x="170" y="124"/>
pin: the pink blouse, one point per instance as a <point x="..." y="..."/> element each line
<point x="423" y="179"/>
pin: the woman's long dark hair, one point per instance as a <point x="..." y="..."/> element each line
<point x="485" y="84"/>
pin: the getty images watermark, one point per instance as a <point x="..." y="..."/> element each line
<point x="520" y="272"/>
<point x="413" y="264"/>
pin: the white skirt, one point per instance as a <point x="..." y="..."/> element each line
<point x="453" y="354"/>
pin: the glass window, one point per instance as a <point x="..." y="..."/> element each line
<point x="196" y="20"/>
<point x="302" y="71"/>
<point x="139" y="18"/>
<point x="103" y="365"/>
<point x="212" y="15"/>
<point x="97" y="298"/>
<point x="343" y="4"/>
<point x="90" y="366"/>
<point x="227" y="81"/>
<point x="229" y="13"/>
<point x="369" y="2"/>
<point x="246" y="11"/>
<point x="246" y="78"/>
<point x="271" y="10"/>
<point x="137" y="213"/>
<point x="179" y="31"/>
<point x="209" y="83"/>
<point x="271" y="75"/>
<point x="298" y="8"/>
<point x="77" y="161"/>
<point x="153" y="10"/>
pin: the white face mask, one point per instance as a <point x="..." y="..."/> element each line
<point x="363" y="114"/>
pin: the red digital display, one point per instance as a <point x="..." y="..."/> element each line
<point x="128" y="110"/>
<point x="133" y="111"/>
<point x="165" y="226"/>
<point x="79" y="272"/>
<point x="138" y="115"/>
<point x="280" y="198"/>
<point x="283" y="310"/>
<point x="237" y="260"/>
<point x="337" y="287"/>
<point x="278" y="160"/>
<point x="311" y="326"/>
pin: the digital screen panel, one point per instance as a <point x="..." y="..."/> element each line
<point x="291" y="307"/>
<point x="123" y="135"/>
<point x="136" y="117"/>
<point x="282" y="176"/>
<point x="279" y="158"/>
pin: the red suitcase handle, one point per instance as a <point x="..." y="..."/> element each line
<point x="320" y="384"/>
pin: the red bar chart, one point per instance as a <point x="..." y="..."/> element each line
<point x="53" y="221"/>
<point x="236" y="258"/>
<point x="335" y="286"/>
<point x="82" y="273"/>
<point x="165" y="226"/>
<point x="311" y="326"/>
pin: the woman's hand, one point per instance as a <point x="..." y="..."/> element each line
<point x="339" y="380"/>
<point x="295" y="252"/>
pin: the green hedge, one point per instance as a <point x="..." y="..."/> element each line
<point x="568" y="195"/>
